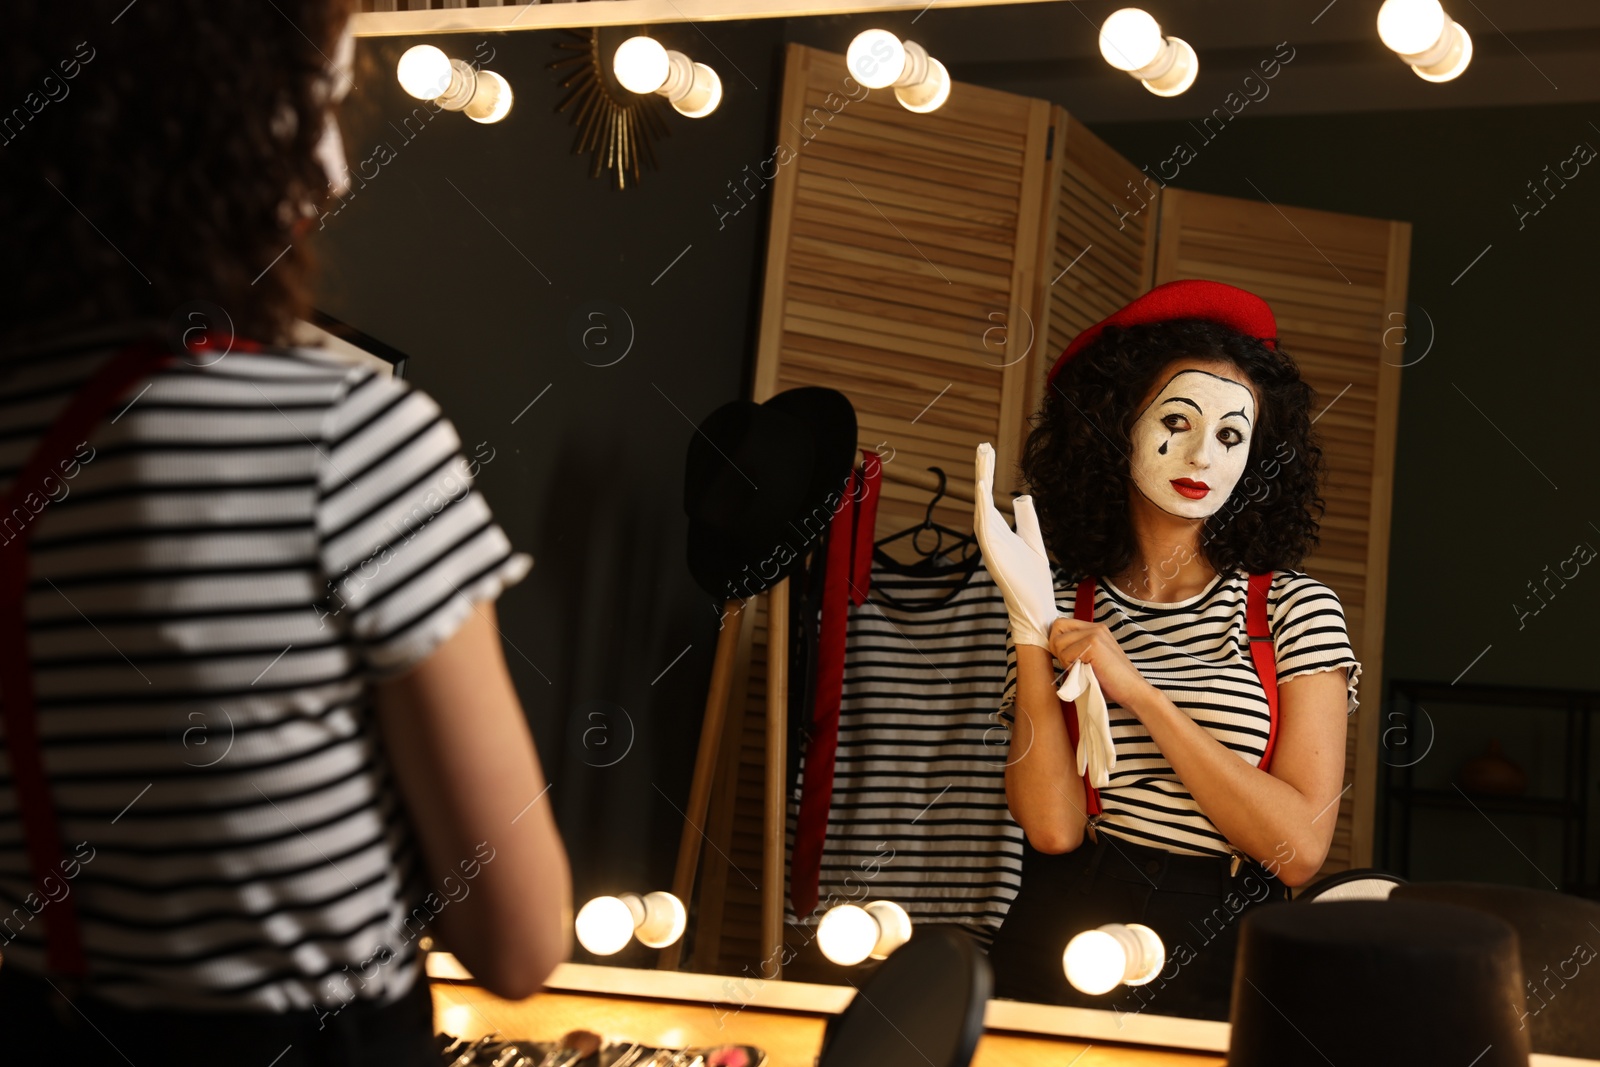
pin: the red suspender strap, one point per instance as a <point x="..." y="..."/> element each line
<point x="866" y="523"/>
<point x="816" y="789"/>
<point x="24" y="502"/>
<point x="1261" y="652"/>
<point x="1083" y="611"/>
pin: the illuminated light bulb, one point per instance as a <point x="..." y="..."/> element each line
<point x="428" y="74"/>
<point x="492" y="101"/>
<point x="1130" y="39"/>
<point x="849" y="934"/>
<point x="1436" y="47"/>
<point x="661" y="918"/>
<point x="846" y="934"/>
<point x="604" y="925"/>
<point x="640" y="64"/>
<point x="875" y="58"/>
<point x="424" y="71"/>
<point x="1411" y="26"/>
<point x="878" y="59"/>
<point x="1097" y="961"/>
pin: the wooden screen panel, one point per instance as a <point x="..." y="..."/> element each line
<point x="903" y="252"/>
<point x="901" y="262"/>
<point x="1335" y="283"/>
<point x="1104" y="223"/>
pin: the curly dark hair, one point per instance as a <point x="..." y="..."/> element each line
<point x="1077" y="458"/>
<point x="156" y="154"/>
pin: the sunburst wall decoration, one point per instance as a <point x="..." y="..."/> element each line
<point x="616" y="126"/>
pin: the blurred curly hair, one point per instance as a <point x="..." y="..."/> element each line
<point x="1077" y="458"/>
<point x="159" y="153"/>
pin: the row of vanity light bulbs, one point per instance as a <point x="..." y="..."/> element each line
<point x="1419" y="31"/>
<point x="1095" y="961"/>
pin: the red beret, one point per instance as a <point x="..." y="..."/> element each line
<point x="1189" y="299"/>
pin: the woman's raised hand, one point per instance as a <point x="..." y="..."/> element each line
<point x="1016" y="558"/>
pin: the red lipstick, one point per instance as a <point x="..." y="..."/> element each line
<point x="1192" y="489"/>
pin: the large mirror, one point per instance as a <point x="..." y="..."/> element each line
<point x="1426" y="247"/>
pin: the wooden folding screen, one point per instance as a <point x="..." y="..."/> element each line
<point x="1336" y="283"/>
<point x="901" y="268"/>
<point x="1103" y="217"/>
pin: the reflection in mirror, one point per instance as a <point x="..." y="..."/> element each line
<point x="1217" y="752"/>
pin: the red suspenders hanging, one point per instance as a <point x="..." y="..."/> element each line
<point x="41" y="830"/>
<point x="847" y="570"/>
<point x="1260" y="635"/>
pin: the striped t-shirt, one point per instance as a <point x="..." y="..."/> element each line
<point x="236" y="551"/>
<point x="918" y="814"/>
<point x="1197" y="652"/>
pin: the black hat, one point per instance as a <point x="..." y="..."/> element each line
<point x="761" y="484"/>
<point x="1559" y="937"/>
<point x="1376" y="983"/>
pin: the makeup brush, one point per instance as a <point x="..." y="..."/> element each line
<point x="575" y="1045"/>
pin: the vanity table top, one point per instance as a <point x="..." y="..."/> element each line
<point x="791" y="1039"/>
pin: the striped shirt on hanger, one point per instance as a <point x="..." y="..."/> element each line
<point x="919" y="814"/>
<point x="242" y="549"/>
<point x="1197" y="652"/>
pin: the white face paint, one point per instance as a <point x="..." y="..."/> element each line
<point x="1197" y="430"/>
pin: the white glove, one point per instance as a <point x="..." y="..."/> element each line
<point x="1016" y="559"/>
<point x="1096" y="753"/>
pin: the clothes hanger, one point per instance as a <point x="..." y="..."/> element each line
<point x="934" y="559"/>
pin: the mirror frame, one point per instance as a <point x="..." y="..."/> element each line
<point x="556" y="15"/>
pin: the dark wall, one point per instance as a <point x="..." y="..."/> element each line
<point x="1495" y="473"/>
<point x="481" y="251"/>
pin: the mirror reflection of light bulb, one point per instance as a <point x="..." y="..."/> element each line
<point x="604" y="925"/>
<point x="492" y="101"/>
<point x="1130" y="39"/>
<point x="875" y="58"/>
<point x="894" y="927"/>
<point x="640" y="64"/>
<point x="705" y="93"/>
<point x="847" y="934"/>
<point x="424" y="72"/>
<point x="1457" y="56"/>
<point x="1411" y="26"/>
<point x="929" y="94"/>
<point x="664" y="920"/>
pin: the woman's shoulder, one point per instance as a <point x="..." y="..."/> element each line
<point x="1294" y="585"/>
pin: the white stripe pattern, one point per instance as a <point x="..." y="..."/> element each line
<point x="1196" y="651"/>
<point x="250" y="545"/>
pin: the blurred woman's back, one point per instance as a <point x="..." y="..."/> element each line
<point x="278" y="742"/>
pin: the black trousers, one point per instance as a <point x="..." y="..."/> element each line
<point x="45" y="1024"/>
<point x="1192" y="902"/>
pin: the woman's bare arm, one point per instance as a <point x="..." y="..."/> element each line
<point x="467" y="769"/>
<point x="1043" y="789"/>
<point x="1283" y="818"/>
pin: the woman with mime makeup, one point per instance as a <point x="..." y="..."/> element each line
<point x="1174" y="479"/>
